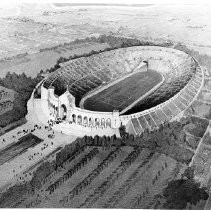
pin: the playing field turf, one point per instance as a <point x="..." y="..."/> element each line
<point x="120" y="95"/>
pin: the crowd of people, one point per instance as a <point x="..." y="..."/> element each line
<point x="23" y="177"/>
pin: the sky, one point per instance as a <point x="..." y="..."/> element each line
<point x="13" y="3"/>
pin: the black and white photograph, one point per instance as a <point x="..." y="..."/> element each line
<point x="105" y="104"/>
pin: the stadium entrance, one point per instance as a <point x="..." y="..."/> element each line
<point x="63" y="112"/>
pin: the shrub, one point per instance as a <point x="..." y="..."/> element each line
<point x="179" y="193"/>
<point x="41" y="173"/>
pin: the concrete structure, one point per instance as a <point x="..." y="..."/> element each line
<point x="83" y="77"/>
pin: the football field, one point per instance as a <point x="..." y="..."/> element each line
<point x="122" y="94"/>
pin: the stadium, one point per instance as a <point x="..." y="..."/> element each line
<point x="139" y="87"/>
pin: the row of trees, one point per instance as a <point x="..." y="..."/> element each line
<point x="88" y="179"/>
<point x="113" y="42"/>
<point x="203" y="59"/>
<point x="167" y="139"/>
<point x="128" y="184"/>
<point x="88" y="157"/>
<point x="110" y="180"/>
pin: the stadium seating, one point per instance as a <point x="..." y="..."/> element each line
<point x="182" y="75"/>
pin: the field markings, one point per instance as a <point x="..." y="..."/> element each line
<point x="104" y="88"/>
<point x="145" y="95"/>
<point x="124" y="101"/>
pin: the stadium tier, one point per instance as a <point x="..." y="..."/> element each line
<point x="112" y="85"/>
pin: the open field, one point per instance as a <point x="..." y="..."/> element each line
<point x="48" y="25"/>
<point x="120" y="95"/>
<point x="38" y="27"/>
<point x="32" y="64"/>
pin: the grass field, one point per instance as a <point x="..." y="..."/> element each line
<point x="120" y="95"/>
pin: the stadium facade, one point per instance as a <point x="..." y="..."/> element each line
<point x="64" y="91"/>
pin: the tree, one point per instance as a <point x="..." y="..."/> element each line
<point x="189" y="172"/>
<point x="179" y="193"/>
<point x="41" y="173"/>
<point x="122" y="130"/>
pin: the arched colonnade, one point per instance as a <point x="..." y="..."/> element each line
<point x="89" y="121"/>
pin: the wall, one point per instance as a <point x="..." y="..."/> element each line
<point x="77" y="121"/>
